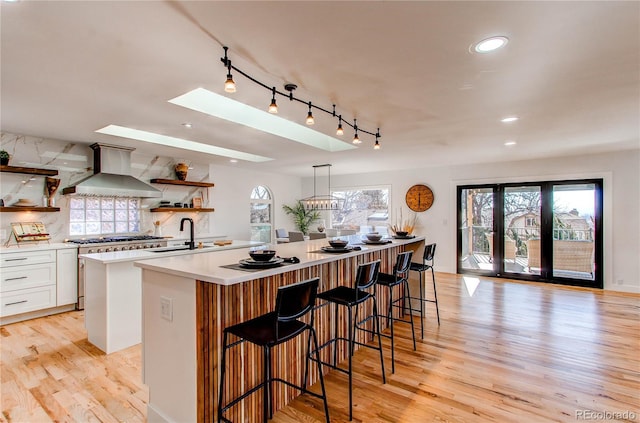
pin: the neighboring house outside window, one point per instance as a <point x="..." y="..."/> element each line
<point x="104" y="215"/>
<point x="365" y="209"/>
<point x="261" y="221"/>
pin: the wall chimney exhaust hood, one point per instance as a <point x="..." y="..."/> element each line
<point x="112" y="176"/>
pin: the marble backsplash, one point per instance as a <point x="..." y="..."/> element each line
<point x="74" y="162"/>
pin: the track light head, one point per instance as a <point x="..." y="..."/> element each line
<point x="229" y="85"/>
<point x="273" y="107"/>
<point x="356" y="140"/>
<point x="310" y="119"/>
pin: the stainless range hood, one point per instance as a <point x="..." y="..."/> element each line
<point x="112" y="176"/>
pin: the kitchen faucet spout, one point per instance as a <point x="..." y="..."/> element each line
<point x="191" y="243"/>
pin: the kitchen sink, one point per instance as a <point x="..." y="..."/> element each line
<point x="178" y="248"/>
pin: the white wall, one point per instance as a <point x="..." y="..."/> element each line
<point x="230" y="197"/>
<point x="620" y="171"/>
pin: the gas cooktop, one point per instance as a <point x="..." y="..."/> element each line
<point x="102" y="240"/>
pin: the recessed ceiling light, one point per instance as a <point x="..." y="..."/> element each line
<point x="233" y="161"/>
<point x="210" y="103"/>
<point x="136" y="134"/>
<point x="509" y="119"/>
<point x="490" y="44"/>
<point x="509" y="143"/>
<point x="187" y="125"/>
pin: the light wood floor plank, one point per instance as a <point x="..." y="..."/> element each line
<point x="511" y="352"/>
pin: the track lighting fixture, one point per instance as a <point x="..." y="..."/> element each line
<point x="310" y="119"/>
<point x="230" y="87"/>
<point x="273" y="107"/>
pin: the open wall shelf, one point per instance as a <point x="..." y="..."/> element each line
<point x="28" y="170"/>
<point x="180" y="210"/>
<point x="183" y="183"/>
<point x="35" y="208"/>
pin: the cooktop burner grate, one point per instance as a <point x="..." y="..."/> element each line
<point x="108" y="239"/>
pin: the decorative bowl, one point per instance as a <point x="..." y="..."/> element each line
<point x="402" y="233"/>
<point x="374" y="236"/>
<point x="338" y="243"/>
<point x="262" y="255"/>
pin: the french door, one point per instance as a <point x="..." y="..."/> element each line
<point x="543" y="231"/>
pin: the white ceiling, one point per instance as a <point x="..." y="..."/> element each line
<point x="570" y="71"/>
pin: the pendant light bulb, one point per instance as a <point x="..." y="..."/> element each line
<point x="273" y="107"/>
<point x="229" y="85"/>
<point x="376" y="146"/>
<point x="310" y="119"/>
<point x="339" y="131"/>
<point x="356" y="140"/>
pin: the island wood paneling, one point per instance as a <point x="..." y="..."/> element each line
<point x="219" y="306"/>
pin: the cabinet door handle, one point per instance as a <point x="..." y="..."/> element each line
<point x="17" y="302"/>
<point x="16" y="259"/>
<point x="15" y="279"/>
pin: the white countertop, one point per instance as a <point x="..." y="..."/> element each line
<point x="206" y="266"/>
<point x="24" y="247"/>
<point x="134" y="255"/>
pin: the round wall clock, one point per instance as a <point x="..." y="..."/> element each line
<point x="419" y="198"/>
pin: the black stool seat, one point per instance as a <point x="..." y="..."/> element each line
<point x="266" y="330"/>
<point x="399" y="277"/>
<point x="351" y="297"/>
<point x="344" y="295"/>
<point x="426" y="265"/>
<point x="293" y="302"/>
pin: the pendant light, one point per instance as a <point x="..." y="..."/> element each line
<point x="339" y="131"/>
<point x="356" y="140"/>
<point x="310" y="119"/>
<point x="376" y="146"/>
<point x="273" y="107"/>
<point x="229" y="84"/>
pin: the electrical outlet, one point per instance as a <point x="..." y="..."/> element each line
<point x="166" y="308"/>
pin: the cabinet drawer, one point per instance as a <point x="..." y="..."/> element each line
<point x="30" y="257"/>
<point x="21" y="277"/>
<point x="28" y="300"/>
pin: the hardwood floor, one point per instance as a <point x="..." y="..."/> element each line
<point x="506" y="352"/>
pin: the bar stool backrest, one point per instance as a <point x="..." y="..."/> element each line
<point x="403" y="262"/>
<point x="295" y="300"/>
<point x="367" y="274"/>
<point x="429" y="252"/>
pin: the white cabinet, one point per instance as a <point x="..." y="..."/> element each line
<point x="28" y="281"/>
<point x="67" y="276"/>
<point x="34" y="283"/>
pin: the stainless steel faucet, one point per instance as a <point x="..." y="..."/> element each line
<point x="191" y="243"/>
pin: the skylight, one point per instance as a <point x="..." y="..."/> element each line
<point x="222" y="107"/>
<point x="136" y="134"/>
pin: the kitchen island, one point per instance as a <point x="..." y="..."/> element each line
<point x="189" y="300"/>
<point x="113" y="292"/>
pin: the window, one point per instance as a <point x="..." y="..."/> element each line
<point x="104" y="215"/>
<point x="261" y="204"/>
<point x="365" y="209"/>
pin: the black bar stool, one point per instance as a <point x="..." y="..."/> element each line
<point x="427" y="264"/>
<point x="366" y="277"/>
<point x="271" y="329"/>
<point x="399" y="277"/>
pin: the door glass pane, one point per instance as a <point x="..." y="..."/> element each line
<point x="521" y="253"/>
<point x="573" y="230"/>
<point x="476" y="228"/>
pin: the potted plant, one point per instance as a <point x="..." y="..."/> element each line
<point x="302" y="217"/>
<point x="4" y="158"/>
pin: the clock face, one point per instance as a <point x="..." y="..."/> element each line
<point x="419" y="198"/>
